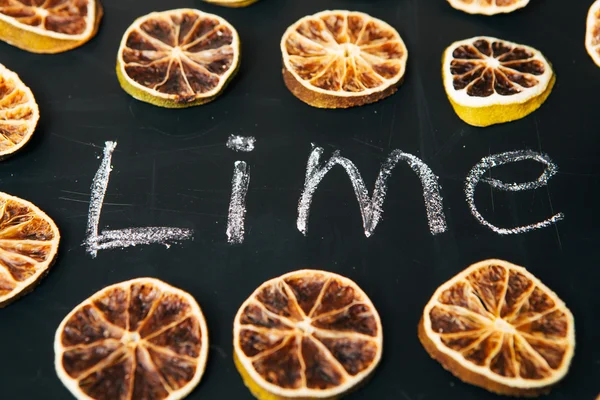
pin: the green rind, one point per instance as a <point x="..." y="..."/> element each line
<point x="145" y="97"/>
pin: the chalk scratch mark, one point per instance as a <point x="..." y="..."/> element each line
<point x="87" y="202"/>
<point x="184" y="149"/>
<point x="393" y="123"/>
<point x="201" y="133"/>
<point x="490" y="175"/>
<point x="367" y="144"/>
<point x="68" y="139"/>
<point x="537" y="132"/>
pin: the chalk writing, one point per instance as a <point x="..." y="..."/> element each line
<point x="372" y="208"/>
<point x="121" y="238"/>
<point x="237" y="205"/>
<point x="241" y="143"/>
<point x="486" y="163"/>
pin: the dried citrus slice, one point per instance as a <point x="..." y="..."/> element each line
<point x="232" y="3"/>
<point x="19" y="113"/>
<point x="307" y="334"/>
<point x="495" y="325"/>
<point x="491" y="81"/>
<point x="49" y="26"/>
<point x="139" y="339"/>
<point x="341" y="59"/>
<point x="28" y="247"/>
<point x="592" y="35"/>
<point x="488" y="7"/>
<point x="178" y="58"/>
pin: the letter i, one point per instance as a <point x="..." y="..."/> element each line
<point x="239" y="190"/>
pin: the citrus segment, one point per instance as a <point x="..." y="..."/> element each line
<point x="28" y="247"/>
<point x="48" y="26"/>
<point x="592" y="35"/>
<point x="19" y="113"/>
<point x="232" y="3"/>
<point x="341" y="59"/>
<point x="178" y="58"/>
<point x="140" y="339"/>
<point x="488" y="7"/>
<point x="490" y="81"/>
<point x="495" y="325"/>
<point x="306" y="334"/>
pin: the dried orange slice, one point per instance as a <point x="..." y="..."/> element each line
<point x="488" y="7"/>
<point x="19" y="113"/>
<point x="139" y="339"/>
<point x="495" y="325"/>
<point x="341" y="59"/>
<point x="49" y="26"/>
<point x="491" y="81"/>
<point x="178" y="58"/>
<point x="232" y="3"/>
<point x="307" y="334"/>
<point x="592" y="35"/>
<point x="28" y="247"/>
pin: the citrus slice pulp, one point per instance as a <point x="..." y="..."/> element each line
<point x="341" y="59"/>
<point x="592" y="35"/>
<point x="178" y="58"/>
<point x="307" y="334"/>
<point x="232" y="3"/>
<point x="19" y="113"/>
<point x="495" y="325"/>
<point x="139" y="339"/>
<point x="490" y="81"/>
<point x="488" y="7"/>
<point x="28" y="247"/>
<point x="49" y="26"/>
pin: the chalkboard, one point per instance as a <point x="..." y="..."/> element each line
<point x="172" y="168"/>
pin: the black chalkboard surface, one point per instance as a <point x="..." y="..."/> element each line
<point x="172" y="168"/>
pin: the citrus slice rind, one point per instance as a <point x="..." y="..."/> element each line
<point x="232" y="3"/>
<point x="341" y="59"/>
<point x="178" y="58"/>
<point x="41" y="26"/>
<point x="136" y="339"/>
<point x="495" y="325"/>
<point x="19" y="113"/>
<point x="28" y="247"/>
<point x="488" y="7"/>
<point x="490" y="81"/>
<point x="592" y="35"/>
<point x="307" y="334"/>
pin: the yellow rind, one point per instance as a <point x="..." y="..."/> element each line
<point x="499" y="114"/>
<point x="41" y="44"/>
<point x="234" y="4"/>
<point x="261" y="393"/>
<point x="146" y="97"/>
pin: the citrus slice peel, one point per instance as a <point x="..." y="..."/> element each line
<point x="232" y="3"/>
<point x="136" y="339"/>
<point x="490" y="81"/>
<point x="305" y="335"/>
<point x="19" y="113"/>
<point x="495" y="325"/>
<point x="488" y="7"/>
<point x="178" y="58"/>
<point x="49" y="27"/>
<point x="342" y="59"/>
<point x="592" y="35"/>
<point x="28" y="247"/>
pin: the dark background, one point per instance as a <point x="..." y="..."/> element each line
<point x="171" y="168"/>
